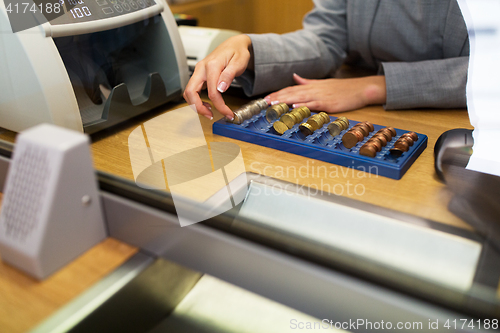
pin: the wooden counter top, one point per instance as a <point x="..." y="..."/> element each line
<point x="419" y="192"/>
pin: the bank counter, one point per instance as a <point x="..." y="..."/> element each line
<point x="324" y="240"/>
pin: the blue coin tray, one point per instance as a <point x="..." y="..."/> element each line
<point x="322" y="146"/>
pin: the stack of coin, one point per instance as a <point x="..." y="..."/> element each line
<point x="410" y="136"/>
<point x="404" y="143"/>
<point x="249" y="110"/>
<point x="280" y="127"/>
<point x="295" y="116"/>
<point x="314" y="123"/>
<point x="274" y="112"/>
<point x="383" y="136"/>
<point x="377" y="141"/>
<point x="338" y="125"/>
<point x="356" y="134"/>
<point x="371" y="147"/>
<point x="288" y="120"/>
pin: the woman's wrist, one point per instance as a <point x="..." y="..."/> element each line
<point x="374" y="91"/>
<point x="248" y="42"/>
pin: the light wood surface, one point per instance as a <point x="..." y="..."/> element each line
<point x="419" y="192"/>
<point x="25" y="302"/>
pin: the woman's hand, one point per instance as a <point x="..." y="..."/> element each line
<point x="332" y="95"/>
<point x="216" y="72"/>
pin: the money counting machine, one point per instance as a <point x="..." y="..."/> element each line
<point x="96" y="65"/>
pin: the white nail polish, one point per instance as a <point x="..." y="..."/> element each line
<point x="275" y="102"/>
<point x="222" y="87"/>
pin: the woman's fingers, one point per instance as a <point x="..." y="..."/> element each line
<point x="192" y="94"/>
<point x="300" y="80"/>
<point x="332" y="95"/>
<point x="291" y="95"/>
<point x="216" y="72"/>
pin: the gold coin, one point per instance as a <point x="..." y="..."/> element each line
<point x="346" y="124"/>
<point x="315" y="123"/>
<point x="280" y="127"/>
<point x="304" y="114"/>
<point x="306" y="129"/>
<point x="299" y="116"/>
<point x="344" y="121"/>
<point x="321" y="117"/>
<point x="326" y="117"/>
<point x="314" y="116"/>
<point x="305" y="111"/>
<point x="288" y="120"/>
<point x="284" y="107"/>
<point x="299" y="111"/>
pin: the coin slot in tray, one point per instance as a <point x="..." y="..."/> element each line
<point x="324" y="139"/>
<point x="322" y="146"/>
<point x="260" y="124"/>
<point x="391" y="158"/>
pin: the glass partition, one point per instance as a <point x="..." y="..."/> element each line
<point x="294" y="204"/>
<point x="157" y="151"/>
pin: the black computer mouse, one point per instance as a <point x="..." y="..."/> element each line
<point x="459" y="141"/>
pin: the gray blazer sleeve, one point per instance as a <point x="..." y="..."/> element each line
<point x="313" y="52"/>
<point x="426" y="84"/>
<point x="437" y="83"/>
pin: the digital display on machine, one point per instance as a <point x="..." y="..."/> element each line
<point x="90" y="10"/>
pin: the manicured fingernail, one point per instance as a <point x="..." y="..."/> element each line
<point x="268" y="100"/>
<point x="222" y="86"/>
<point x="295" y="106"/>
<point x="209" y="117"/>
<point x="274" y="102"/>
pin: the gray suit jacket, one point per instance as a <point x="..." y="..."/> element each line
<point x="421" y="46"/>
